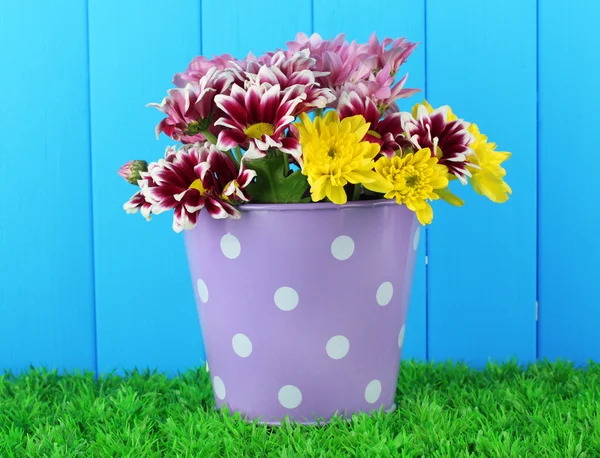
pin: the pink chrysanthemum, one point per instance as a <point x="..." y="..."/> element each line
<point x="256" y="119"/>
<point x="385" y="132"/>
<point x="189" y="109"/>
<point x="381" y="88"/>
<point x="190" y="179"/>
<point x="392" y="53"/>
<point x="449" y="140"/>
<point x="200" y="66"/>
<point x="336" y="61"/>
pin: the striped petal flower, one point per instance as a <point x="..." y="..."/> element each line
<point x="387" y="132"/>
<point x="189" y="109"/>
<point x="193" y="178"/>
<point x="256" y="119"/>
<point x="447" y="137"/>
<point x="200" y="66"/>
<point x="138" y="201"/>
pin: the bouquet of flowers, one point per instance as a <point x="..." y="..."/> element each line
<point x="317" y="121"/>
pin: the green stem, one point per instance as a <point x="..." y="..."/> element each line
<point x="238" y="154"/>
<point x="356" y="194"/>
<point x="209" y="136"/>
<point x="319" y="112"/>
<point x="286" y="165"/>
<point x="231" y="156"/>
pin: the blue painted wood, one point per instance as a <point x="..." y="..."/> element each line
<point x="246" y="29"/>
<point x="482" y="258"/>
<point x="569" y="219"/>
<point x="349" y="17"/>
<point x="46" y="266"/>
<point x="145" y="301"/>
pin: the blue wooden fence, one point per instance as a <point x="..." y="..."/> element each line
<point x="85" y="286"/>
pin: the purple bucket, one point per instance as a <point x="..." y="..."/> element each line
<point x="303" y="306"/>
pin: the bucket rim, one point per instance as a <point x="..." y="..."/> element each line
<point x="313" y="206"/>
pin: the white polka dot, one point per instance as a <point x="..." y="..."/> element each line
<point x="202" y="290"/>
<point x="373" y="391"/>
<point x="342" y="247"/>
<point x="219" y="387"/>
<point x="241" y="345"/>
<point x="290" y="397"/>
<point x="416" y="238"/>
<point x="286" y="298"/>
<point x="401" y="336"/>
<point x="385" y="293"/>
<point x="230" y="246"/>
<point x="337" y="347"/>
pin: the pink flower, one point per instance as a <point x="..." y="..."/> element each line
<point x="200" y="66"/>
<point x="336" y="61"/>
<point x="378" y="55"/>
<point x="189" y="109"/>
<point x="131" y="170"/>
<point x="385" y="132"/>
<point x="256" y="119"/>
<point x="381" y="88"/>
<point x="449" y="140"/>
<point x="190" y="179"/>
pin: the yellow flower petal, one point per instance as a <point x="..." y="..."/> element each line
<point x="337" y="195"/>
<point x="425" y="215"/>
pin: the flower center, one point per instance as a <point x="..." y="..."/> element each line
<point x="412" y="181"/>
<point x="197" y="184"/>
<point x="196" y="127"/>
<point x="258" y="130"/>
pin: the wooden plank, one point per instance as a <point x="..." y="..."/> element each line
<point x="145" y="301"/>
<point x="481" y="60"/>
<point x="46" y="257"/>
<point x="245" y="28"/>
<point x="349" y="17"/>
<point x="569" y="292"/>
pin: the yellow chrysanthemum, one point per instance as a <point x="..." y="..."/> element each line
<point x="334" y="155"/>
<point x="488" y="179"/>
<point x="412" y="180"/>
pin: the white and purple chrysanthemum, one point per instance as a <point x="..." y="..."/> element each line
<point x="189" y="110"/>
<point x="190" y="179"/>
<point x="449" y="140"/>
<point x="256" y="119"/>
<point x="200" y="66"/>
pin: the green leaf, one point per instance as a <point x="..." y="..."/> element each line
<point x="274" y="181"/>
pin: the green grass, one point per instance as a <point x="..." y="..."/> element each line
<point x="444" y="410"/>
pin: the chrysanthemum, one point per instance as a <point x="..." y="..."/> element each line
<point x="446" y="136"/>
<point x="412" y="181"/>
<point x="190" y="179"/>
<point x="200" y="66"/>
<point x="382" y="88"/>
<point x="387" y="132"/>
<point x="189" y="109"/>
<point x="488" y="174"/>
<point x="334" y="154"/>
<point x="389" y="52"/>
<point x="293" y="74"/>
<point x="138" y="201"/>
<point x="256" y="119"/>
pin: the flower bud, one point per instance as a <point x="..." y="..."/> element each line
<point x="130" y="171"/>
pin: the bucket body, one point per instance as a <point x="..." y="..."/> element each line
<point x="303" y="306"/>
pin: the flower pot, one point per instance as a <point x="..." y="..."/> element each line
<point x="303" y="306"/>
